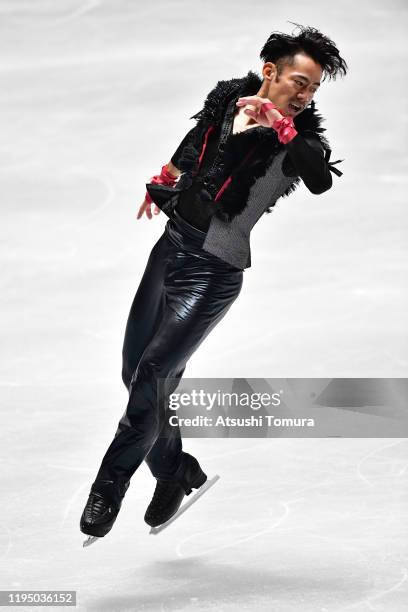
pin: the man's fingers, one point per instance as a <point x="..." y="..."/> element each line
<point x="145" y="207"/>
<point x="141" y="210"/>
<point x="255" y="100"/>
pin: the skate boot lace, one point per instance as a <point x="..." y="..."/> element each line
<point x="96" y="505"/>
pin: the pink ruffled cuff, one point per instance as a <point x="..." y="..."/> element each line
<point x="164" y="178"/>
<point x="285" y="129"/>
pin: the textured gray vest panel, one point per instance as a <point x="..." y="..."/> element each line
<point x="230" y="241"/>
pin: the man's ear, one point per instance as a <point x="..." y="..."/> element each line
<point x="271" y="70"/>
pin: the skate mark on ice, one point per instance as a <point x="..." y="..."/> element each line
<point x="88" y="5"/>
<point x="402" y="470"/>
<point x="84" y="7"/>
<point x="369" y="600"/>
<point x="267" y="489"/>
<point x="371" y="454"/>
<point x="203" y="489"/>
<point x="237" y="541"/>
<point x="71" y="501"/>
<point x="323" y="483"/>
<point x="109" y="198"/>
<point x="264" y="488"/>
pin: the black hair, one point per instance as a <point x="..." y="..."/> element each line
<point x="281" y="48"/>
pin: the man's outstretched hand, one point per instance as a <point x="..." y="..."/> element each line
<point x="146" y="207"/>
<point x="168" y="176"/>
<point x="262" y="116"/>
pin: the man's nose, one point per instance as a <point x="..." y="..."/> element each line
<point x="304" y="98"/>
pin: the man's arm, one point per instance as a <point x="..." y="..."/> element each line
<point x="307" y="157"/>
<point x="306" y="154"/>
<point x="173" y="169"/>
<point x="175" y="158"/>
<point x="169" y="169"/>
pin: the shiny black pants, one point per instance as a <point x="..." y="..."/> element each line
<point x="184" y="292"/>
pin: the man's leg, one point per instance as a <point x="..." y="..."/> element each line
<point x="144" y="319"/>
<point x="146" y="311"/>
<point x="147" y="308"/>
<point x="198" y="293"/>
<point x="197" y="297"/>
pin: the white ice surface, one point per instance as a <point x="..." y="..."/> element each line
<point x="96" y="96"/>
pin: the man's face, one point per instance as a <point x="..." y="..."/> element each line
<point x="297" y="84"/>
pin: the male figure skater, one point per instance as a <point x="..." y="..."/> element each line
<point x="253" y="142"/>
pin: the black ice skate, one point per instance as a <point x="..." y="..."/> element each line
<point x="167" y="499"/>
<point x="99" y="515"/>
<point x="153" y="519"/>
<point x="169" y="494"/>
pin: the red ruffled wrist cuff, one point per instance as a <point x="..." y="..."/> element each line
<point x="164" y="178"/>
<point x="167" y="175"/>
<point x="285" y="129"/>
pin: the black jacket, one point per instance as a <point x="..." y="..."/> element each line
<point x="261" y="169"/>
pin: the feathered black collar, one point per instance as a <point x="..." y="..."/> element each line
<point x="217" y="100"/>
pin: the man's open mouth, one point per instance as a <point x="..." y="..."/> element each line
<point x="295" y="107"/>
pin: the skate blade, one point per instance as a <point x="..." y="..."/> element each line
<point x="90" y="540"/>
<point x="207" y="485"/>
